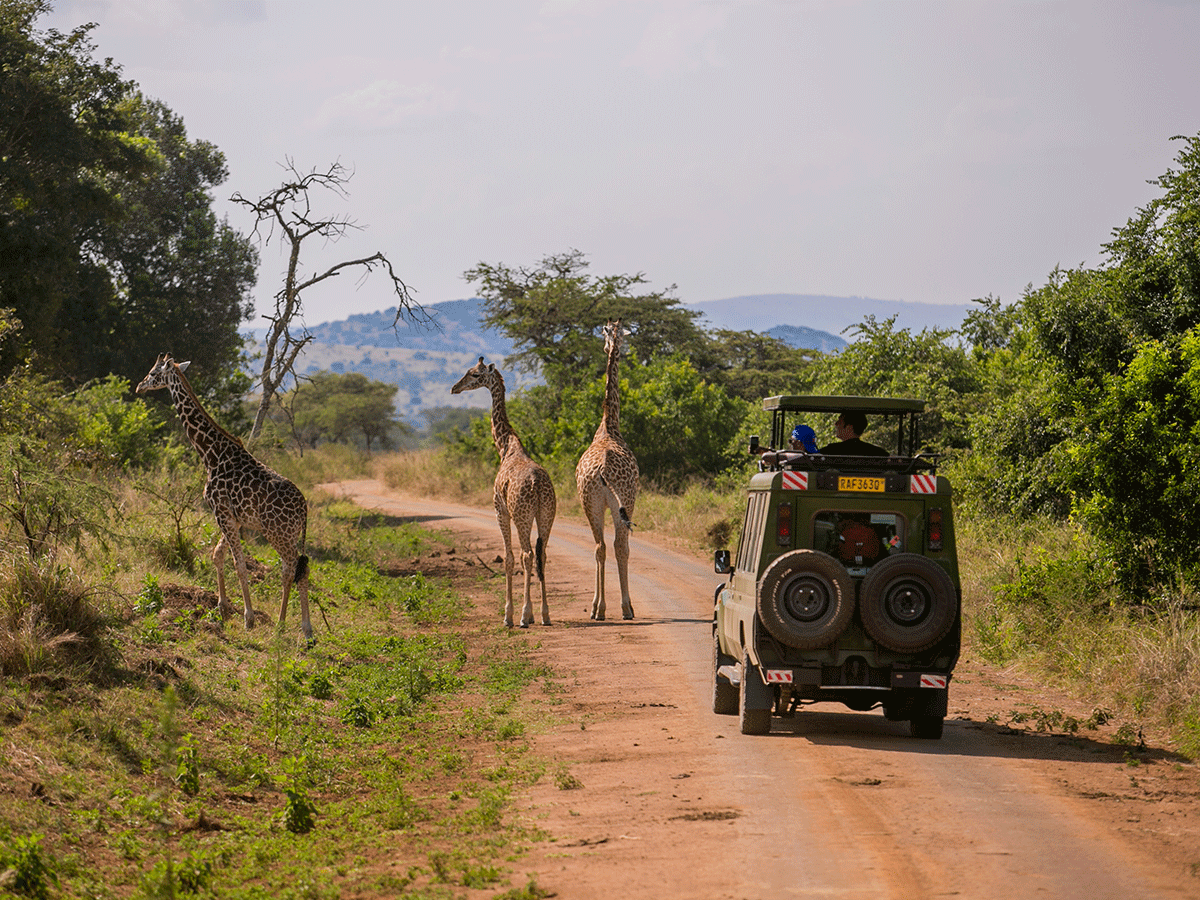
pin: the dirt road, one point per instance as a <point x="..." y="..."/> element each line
<point x="654" y="796"/>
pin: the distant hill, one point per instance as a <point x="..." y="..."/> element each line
<point x="455" y="329"/>
<point x="762" y="312"/>
<point x="424" y="361"/>
<point x="803" y="338"/>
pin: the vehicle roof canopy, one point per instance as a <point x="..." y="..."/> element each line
<point x="828" y="404"/>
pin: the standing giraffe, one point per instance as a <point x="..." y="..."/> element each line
<point x="522" y="494"/>
<point x="243" y="493"/>
<point x="607" y="476"/>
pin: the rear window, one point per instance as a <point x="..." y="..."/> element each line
<point x="859" y="539"/>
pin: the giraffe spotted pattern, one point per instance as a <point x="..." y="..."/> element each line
<point x="607" y="478"/>
<point x="522" y="494"/>
<point x="242" y="493"/>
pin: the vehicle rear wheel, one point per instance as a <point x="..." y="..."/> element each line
<point x="908" y="603"/>
<point x="724" y="695"/>
<point x="752" y="721"/>
<point x="806" y="599"/>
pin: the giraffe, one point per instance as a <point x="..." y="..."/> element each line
<point x="243" y="493"/>
<point x="607" y="476"/>
<point x="523" y="494"/>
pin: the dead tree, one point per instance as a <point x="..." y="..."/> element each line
<point x="289" y="209"/>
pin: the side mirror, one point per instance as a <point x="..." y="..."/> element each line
<point x="753" y="443"/>
<point x="721" y="562"/>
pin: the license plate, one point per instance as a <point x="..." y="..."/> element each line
<point x="859" y="483"/>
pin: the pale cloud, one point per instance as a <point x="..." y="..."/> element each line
<point x="383" y="105"/>
<point x="678" y="38"/>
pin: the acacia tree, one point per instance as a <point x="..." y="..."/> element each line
<point x="554" y="313"/>
<point x="289" y="208"/>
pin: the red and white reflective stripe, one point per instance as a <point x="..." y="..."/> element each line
<point x="933" y="681"/>
<point x="795" y="481"/>
<point x="922" y="484"/>
<point x="779" y="676"/>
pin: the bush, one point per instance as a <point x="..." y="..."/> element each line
<point x="47" y="621"/>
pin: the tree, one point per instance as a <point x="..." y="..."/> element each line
<point x="1134" y="462"/>
<point x="752" y="366"/>
<point x="182" y="278"/>
<point x="65" y="146"/>
<point x="886" y="362"/>
<point x="554" y="311"/>
<point x="338" y="408"/>
<point x="289" y="208"/>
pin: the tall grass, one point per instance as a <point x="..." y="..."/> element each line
<point x="48" y="621"/>
<point x="1039" y="595"/>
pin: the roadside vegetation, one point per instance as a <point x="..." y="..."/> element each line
<point x="150" y="752"/>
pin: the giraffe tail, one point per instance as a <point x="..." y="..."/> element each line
<point x="539" y="555"/>
<point x="615" y="504"/>
<point x="301" y="569"/>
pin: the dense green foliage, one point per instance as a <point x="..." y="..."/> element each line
<point x="109" y="250"/>
<point x="345" y="408"/>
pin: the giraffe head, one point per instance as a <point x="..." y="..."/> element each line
<point x="613" y="335"/>
<point x="478" y="376"/>
<point x="157" y="377"/>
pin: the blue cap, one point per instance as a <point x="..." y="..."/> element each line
<point x="806" y="436"/>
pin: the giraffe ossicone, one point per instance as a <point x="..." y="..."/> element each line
<point x="242" y="493"/>
<point x="606" y="478"/>
<point x="522" y="494"/>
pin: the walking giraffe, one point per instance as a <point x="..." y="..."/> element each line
<point x="523" y="494"/>
<point x="607" y="477"/>
<point x="243" y="493"/>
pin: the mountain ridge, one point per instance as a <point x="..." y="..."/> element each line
<point x="425" y="361"/>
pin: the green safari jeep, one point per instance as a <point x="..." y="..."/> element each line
<point x="845" y="584"/>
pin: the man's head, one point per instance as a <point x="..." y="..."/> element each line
<point x="850" y="424"/>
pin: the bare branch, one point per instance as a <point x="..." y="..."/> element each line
<point x="288" y="211"/>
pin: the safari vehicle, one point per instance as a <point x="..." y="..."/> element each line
<point x="845" y="584"/>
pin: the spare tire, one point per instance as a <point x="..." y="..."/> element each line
<point x="805" y="599"/>
<point x="908" y="603"/>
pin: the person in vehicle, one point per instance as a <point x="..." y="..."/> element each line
<point x="804" y="438"/>
<point x="848" y="428"/>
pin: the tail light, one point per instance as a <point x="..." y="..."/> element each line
<point x="783" y="525"/>
<point x="935" y="529"/>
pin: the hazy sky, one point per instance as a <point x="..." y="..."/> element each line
<point x="900" y="150"/>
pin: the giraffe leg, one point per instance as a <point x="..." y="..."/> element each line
<point x="509" y="561"/>
<point x="621" y="552"/>
<point x="524" y="522"/>
<point x="539" y="558"/>
<point x="545" y="521"/>
<point x="233" y="543"/>
<point x="594" y="510"/>
<point x="287" y="572"/>
<point x="239" y="561"/>
<point x="294" y="571"/>
<point x="527" y="565"/>
<point x="218" y="558"/>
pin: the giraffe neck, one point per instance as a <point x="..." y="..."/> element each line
<point x="611" y="414"/>
<point x="503" y="434"/>
<point x="202" y="431"/>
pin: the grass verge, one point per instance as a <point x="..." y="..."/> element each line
<point x="149" y="752"/>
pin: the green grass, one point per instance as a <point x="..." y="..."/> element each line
<point x="155" y="754"/>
